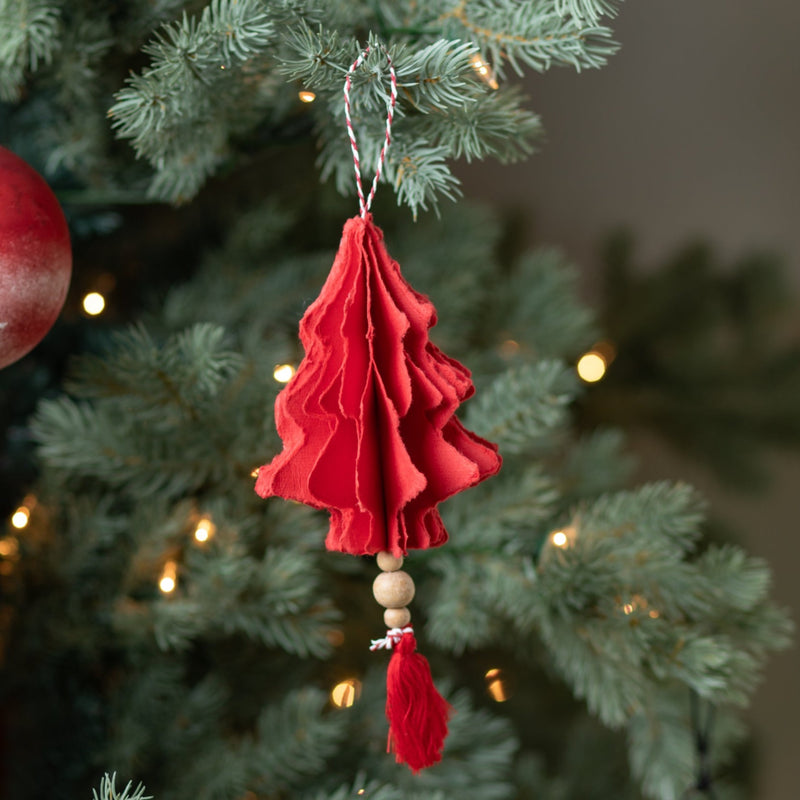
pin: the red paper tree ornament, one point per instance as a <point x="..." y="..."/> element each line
<point x="369" y="432"/>
<point x="35" y="258"/>
<point x="368" y="421"/>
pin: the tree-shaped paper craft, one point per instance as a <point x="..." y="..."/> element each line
<point x="368" y="421"/>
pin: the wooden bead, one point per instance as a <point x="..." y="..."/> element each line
<point x="393" y="589"/>
<point x="389" y="563"/>
<point x="396" y="617"/>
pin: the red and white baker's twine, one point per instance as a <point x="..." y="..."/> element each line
<point x="364" y="205"/>
<point x="392" y="638"/>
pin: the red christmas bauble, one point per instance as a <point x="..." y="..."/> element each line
<point x="35" y="258"/>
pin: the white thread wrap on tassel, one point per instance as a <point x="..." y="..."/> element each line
<point x="392" y="638"/>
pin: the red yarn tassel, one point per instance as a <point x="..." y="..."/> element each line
<point x="416" y="711"/>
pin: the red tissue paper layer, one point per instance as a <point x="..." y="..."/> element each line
<point x="367" y="422"/>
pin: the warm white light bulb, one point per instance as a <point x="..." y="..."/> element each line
<point x="205" y="530"/>
<point x="484" y="70"/>
<point x="306" y="96"/>
<point x="21" y="517"/>
<point x="94" y="303"/>
<point x="591" y="367"/>
<point x="344" y="694"/>
<point x="560" y="539"/>
<point x="168" y="580"/>
<point x="497" y="691"/>
<point x="283" y="373"/>
<point x="495" y="685"/>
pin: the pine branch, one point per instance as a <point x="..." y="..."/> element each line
<point x="668" y="516"/>
<point x="31" y="30"/>
<point x="532" y="33"/>
<point x="499" y="516"/>
<point x="595" y="464"/>
<point x="497" y="127"/>
<point x="108" y="790"/>
<point x="195" y="363"/>
<point x="420" y="175"/>
<point x="375" y="790"/>
<point x="464" y="612"/>
<point x="294" y="739"/>
<point x="523" y="408"/>
<point x="214" y="82"/>
<point x="549" y="322"/>
<point x="276" y="601"/>
<point x="317" y="57"/>
<point x="662" y="756"/>
<point x="152" y="390"/>
<point x="590" y="10"/>
<point x="163" y="108"/>
<point x="438" y="77"/>
<point x="166" y="111"/>
<point x="144" y="712"/>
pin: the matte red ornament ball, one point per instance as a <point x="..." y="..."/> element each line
<point x="35" y="258"/>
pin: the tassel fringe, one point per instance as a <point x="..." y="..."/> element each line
<point x="417" y="713"/>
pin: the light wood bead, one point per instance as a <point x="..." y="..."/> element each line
<point x="393" y="589"/>
<point x="389" y="563"/>
<point x="396" y="617"/>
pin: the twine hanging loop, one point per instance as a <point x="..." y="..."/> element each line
<point x="364" y="205"/>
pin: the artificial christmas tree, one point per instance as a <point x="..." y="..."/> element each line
<point x="163" y="621"/>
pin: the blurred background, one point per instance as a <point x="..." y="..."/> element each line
<point x="692" y="132"/>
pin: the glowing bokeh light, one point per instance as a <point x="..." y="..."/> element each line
<point x="21" y="517"/>
<point x="205" y="530"/>
<point x="283" y="373"/>
<point x="495" y="686"/>
<point x="94" y="303"/>
<point x="345" y="693"/>
<point x="169" y="578"/>
<point x="591" y="367"/>
<point x="560" y="539"/>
